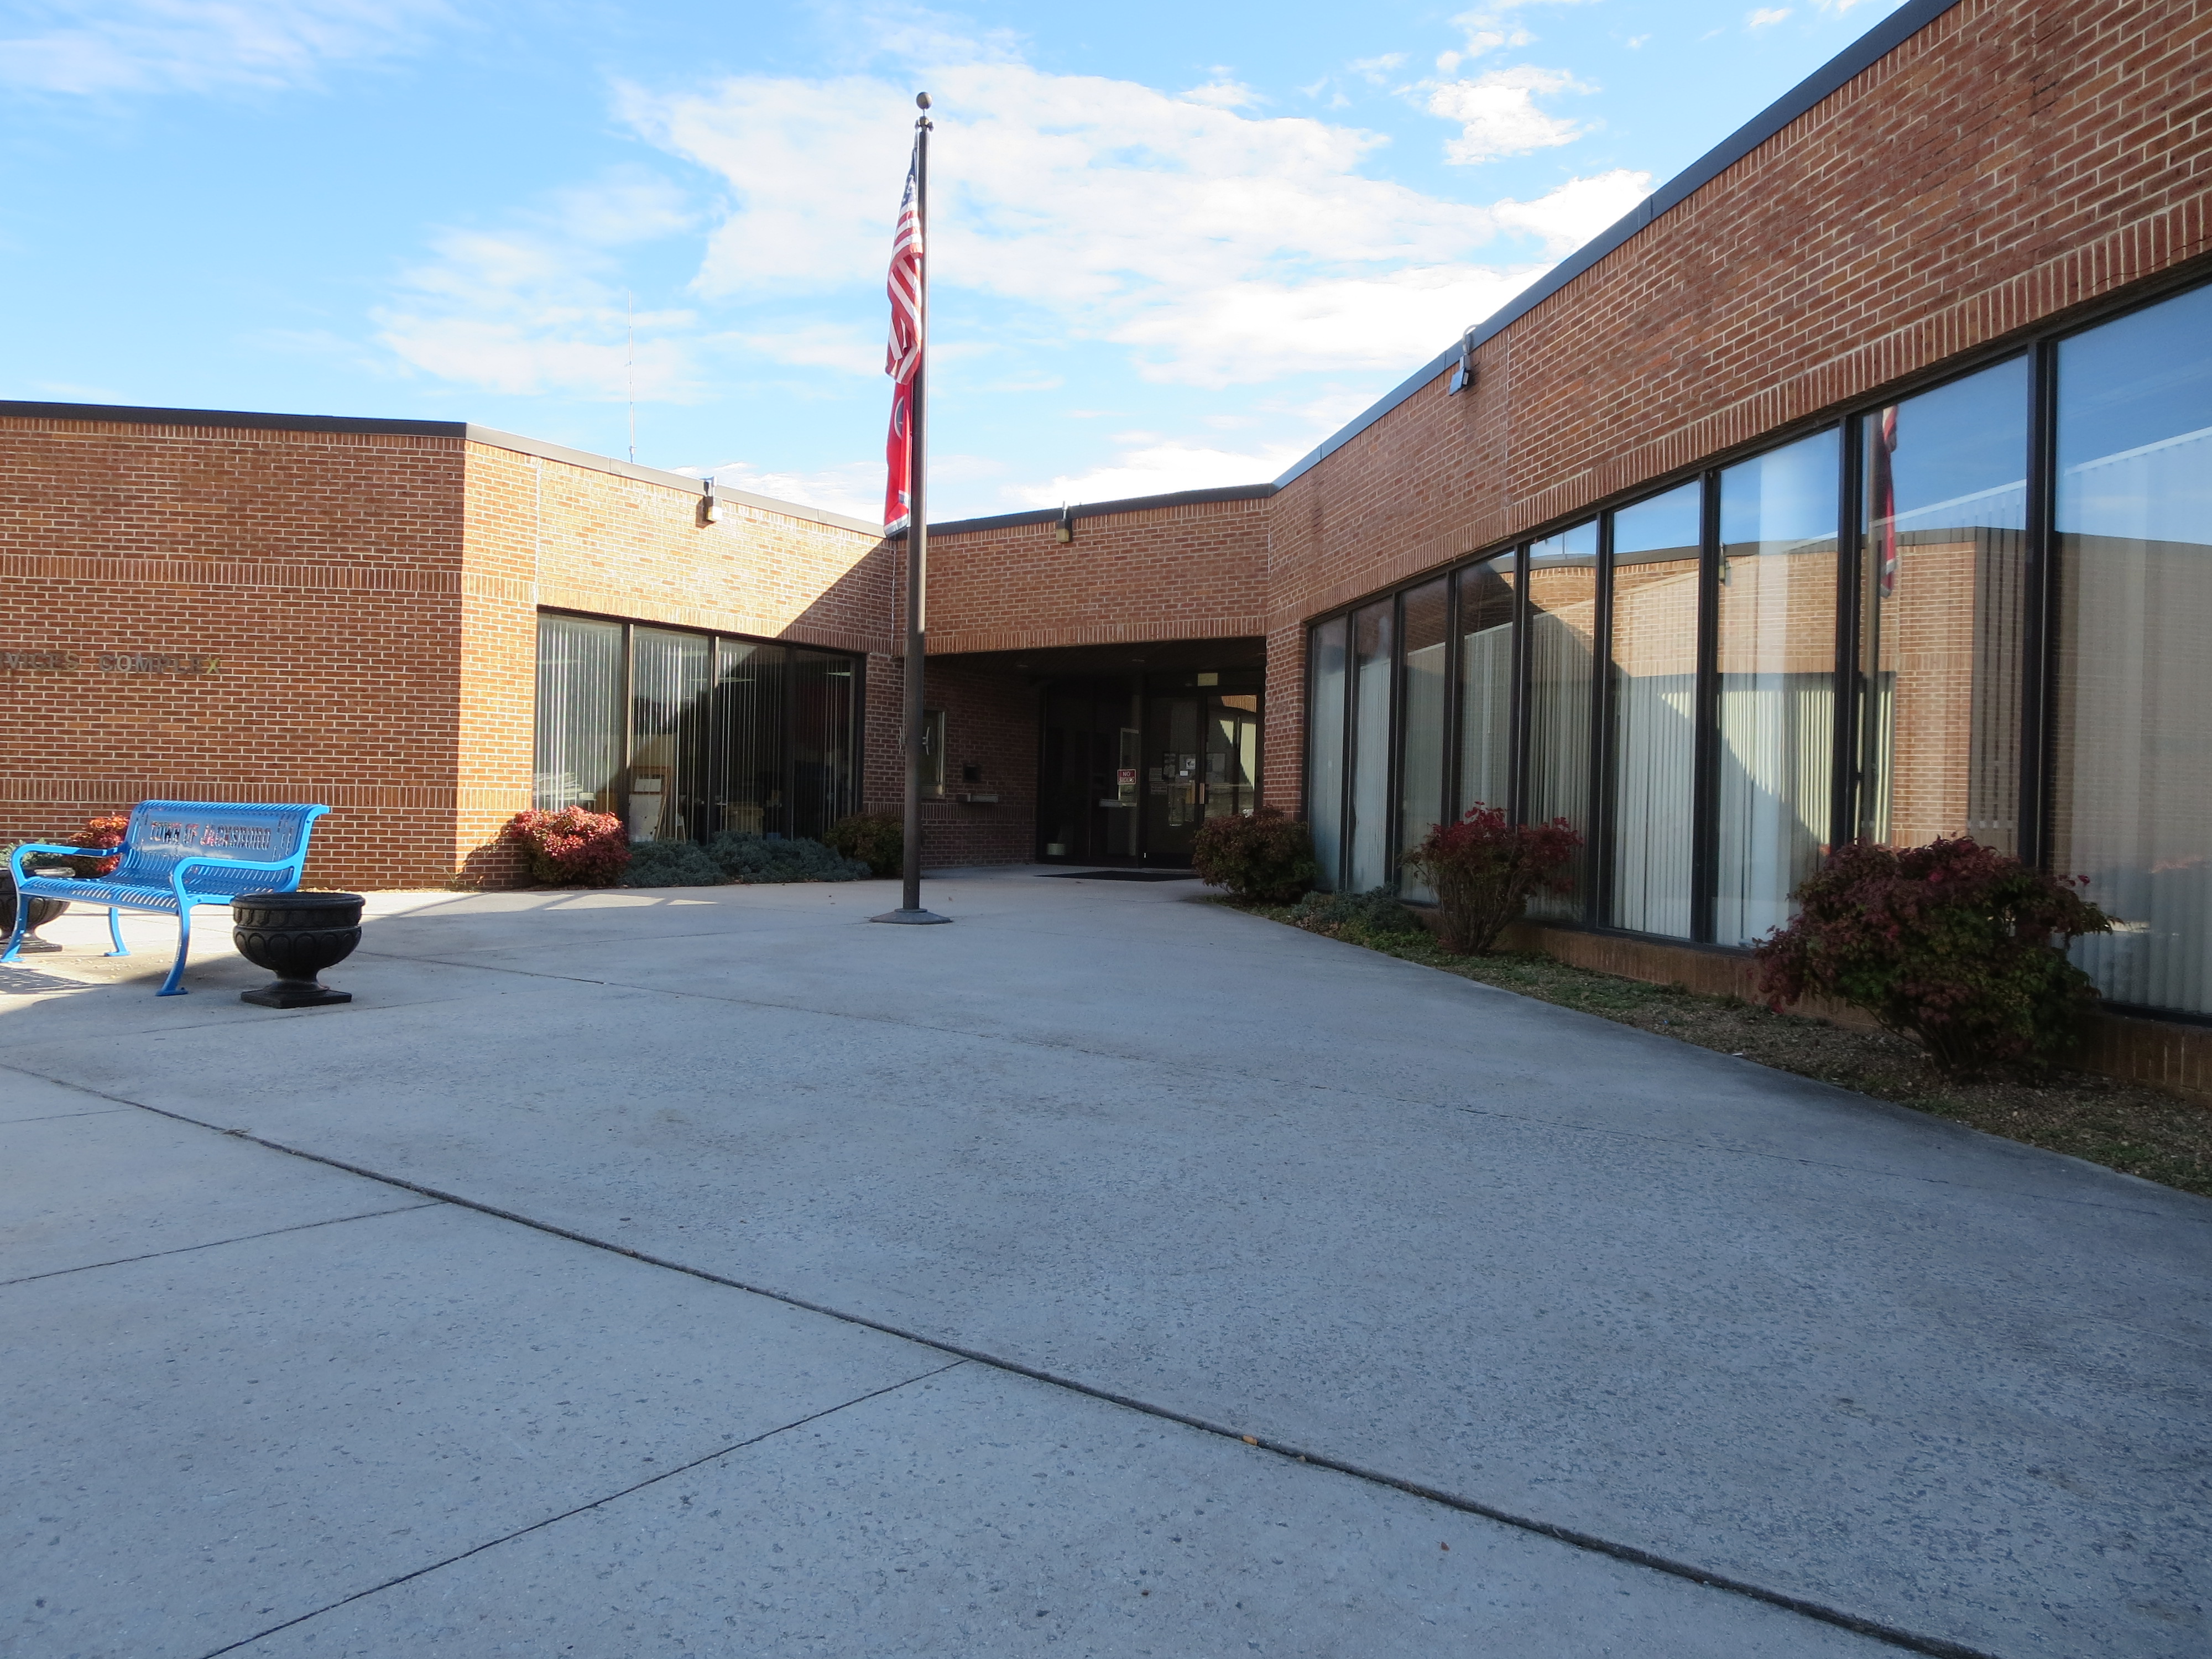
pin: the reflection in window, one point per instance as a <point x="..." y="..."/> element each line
<point x="1943" y="575"/>
<point x="1655" y="708"/>
<point x="1367" y="834"/>
<point x="579" y="714"/>
<point x="668" y="727"/>
<point x="1421" y="768"/>
<point x="1325" y="749"/>
<point x="2133" y="760"/>
<point x="1485" y="684"/>
<point x="1562" y="622"/>
<point x="1777" y="656"/>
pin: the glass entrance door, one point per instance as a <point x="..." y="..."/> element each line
<point x="1132" y="766"/>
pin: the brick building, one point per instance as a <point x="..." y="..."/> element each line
<point x="1858" y="483"/>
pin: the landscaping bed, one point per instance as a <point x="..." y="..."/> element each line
<point x="2124" y="1126"/>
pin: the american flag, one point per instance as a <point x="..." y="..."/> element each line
<point x="902" y="357"/>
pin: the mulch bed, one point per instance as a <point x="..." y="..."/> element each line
<point x="2124" y="1126"/>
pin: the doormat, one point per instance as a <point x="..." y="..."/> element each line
<point x="1122" y="875"/>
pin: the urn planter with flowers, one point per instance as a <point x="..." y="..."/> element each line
<point x="295" y="936"/>
<point x="43" y="910"/>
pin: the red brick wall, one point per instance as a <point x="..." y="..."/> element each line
<point x="2006" y="165"/>
<point x="1193" y="572"/>
<point x="323" y="570"/>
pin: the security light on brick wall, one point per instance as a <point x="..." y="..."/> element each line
<point x="710" y="505"/>
<point x="1065" y="530"/>
<point x="1463" y="372"/>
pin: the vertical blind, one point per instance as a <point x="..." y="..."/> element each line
<point x="685" y="735"/>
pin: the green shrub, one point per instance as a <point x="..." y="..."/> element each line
<point x="1954" y="944"/>
<point x="1357" y="917"/>
<point x="755" y="858"/>
<point x="672" y="864"/>
<point x="877" y="839"/>
<point x="1482" y="870"/>
<point x="1264" y="858"/>
<point x="573" y="848"/>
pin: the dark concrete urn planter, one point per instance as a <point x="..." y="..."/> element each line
<point x="295" y="936"/>
<point x="43" y="910"/>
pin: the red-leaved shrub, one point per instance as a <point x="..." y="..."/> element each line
<point x="1262" y="858"/>
<point x="1954" y="944"/>
<point x="1483" y="869"/>
<point x="98" y="833"/>
<point x="573" y="848"/>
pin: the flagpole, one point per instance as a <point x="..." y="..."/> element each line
<point x="917" y="556"/>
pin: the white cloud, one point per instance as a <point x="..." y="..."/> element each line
<point x="1224" y="94"/>
<point x="537" y="305"/>
<point x="1765" y="17"/>
<point x="1153" y="466"/>
<point x="1376" y="70"/>
<point x="1570" y="215"/>
<point x="855" y="488"/>
<point x="111" y="47"/>
<point x="1497" y="113"/>
<point x="1220" y="246"/>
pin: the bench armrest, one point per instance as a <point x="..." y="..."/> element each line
<point x="15" y="858"/>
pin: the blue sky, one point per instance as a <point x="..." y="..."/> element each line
<point x="1173" y="246"/>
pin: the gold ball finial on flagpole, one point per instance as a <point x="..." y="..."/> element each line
<point x="921" y="100"/>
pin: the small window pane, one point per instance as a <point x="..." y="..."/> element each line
<point x="1485" y="684"/>
<point x="1655" y="708"/>
<point x="1325" y="751"/>
<point x="1561" y="624"/>
<point x="1943" y="572"/>
<point x="2133" y="784"/>
<point x="1368" y="837"/>
<point x="1421" y="764"/>
<point x="579" y="714"/>
<point x="1778" y="680"/>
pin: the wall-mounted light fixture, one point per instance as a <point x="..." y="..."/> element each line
<point x="1065" y="530"/>
<point x="710" y="505"/>
<point x="1464" y="372"/>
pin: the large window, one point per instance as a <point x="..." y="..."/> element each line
<point x="685" y="735"/>
<point x="1485" y="682"/>
<point x="1942" y="587"/>
<point x="1561" y="669"/>
<point x="1777" y="680"/>
<point x="1368" y="835"/>
<point x="2132" y="789"/>
<point x="1325" y="733"/>
<point x="1940" y="615"/>
<point x="1422" y="709"/>
<point x="1656" y="563"/>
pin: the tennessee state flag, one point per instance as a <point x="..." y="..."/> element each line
<point x="903" y="358"/>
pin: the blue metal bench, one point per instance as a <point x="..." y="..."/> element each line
<point x="177" y="854"/>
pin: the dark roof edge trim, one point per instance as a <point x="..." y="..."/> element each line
<point x="133" y="415"/>
<point x="1101" y="509"/>
<point x="1870" y="48"/>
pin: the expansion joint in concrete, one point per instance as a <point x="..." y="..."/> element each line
<point x="1908" y="1640"/>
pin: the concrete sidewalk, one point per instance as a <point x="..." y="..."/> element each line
<point x="1011" y="1232"/>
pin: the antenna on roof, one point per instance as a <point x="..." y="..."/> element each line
<point x="629" y="314"/>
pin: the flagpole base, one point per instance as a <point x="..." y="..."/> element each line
<point x="911" y="918"/>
